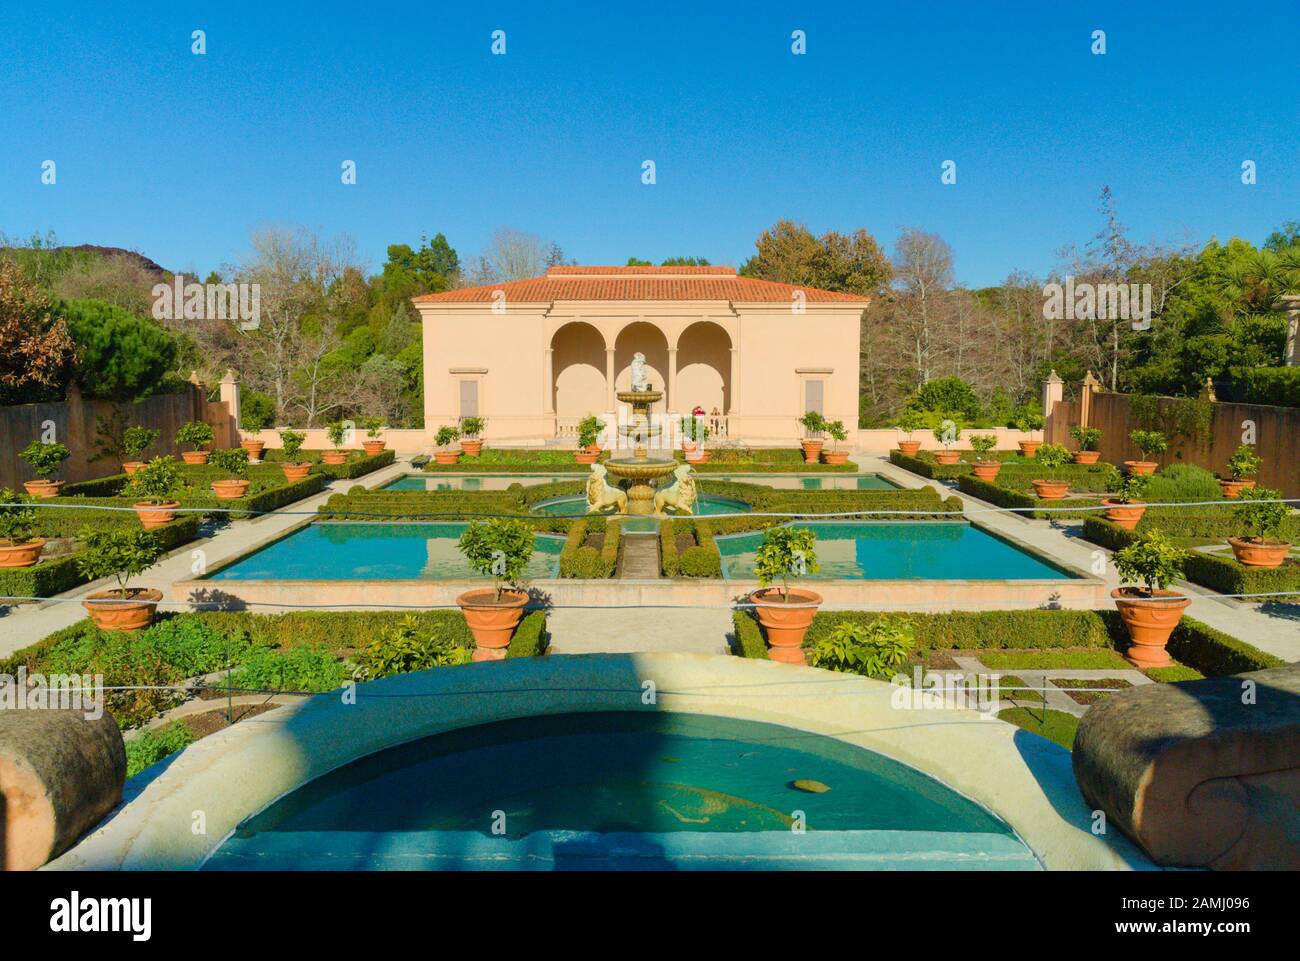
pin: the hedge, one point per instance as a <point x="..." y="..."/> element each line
<point x="1016" y="470"/>
<point x="1215" y="653"/>
<point x="357" y="467"/>
<point x="278" y="494"/>
<point x="1026" y="505"/>
<point x="701" y="559"/>
<point x="579" y="561"/>
<point x="1272" y="386"/>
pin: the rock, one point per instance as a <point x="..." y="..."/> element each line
<point x="809" y="786"/>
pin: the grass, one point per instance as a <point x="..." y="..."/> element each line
<point x="1170" y="675"/>
<point x="1010" y="686"/>
<point x="1056" y="725"/>
<point x="151" y="746"/>
<point x="1089" y="659"/>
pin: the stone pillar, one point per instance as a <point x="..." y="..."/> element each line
<point x="1087" y="388"/>
<point x="733" y="402"/>
<point x="1053" y="391"/>
<point x="230" y="397"/>
<point x="609" y="377"/>
<point x="548" y="381"/>
<point x="1291" y="304"/>
<point x="670" y="400"/>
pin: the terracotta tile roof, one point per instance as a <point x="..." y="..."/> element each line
<point x="637" y="284"/>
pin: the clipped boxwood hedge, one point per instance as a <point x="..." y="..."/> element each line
<point x="1215" y="653"/>
<point x="580" y="561"/>
<point x="1026" y="505"/>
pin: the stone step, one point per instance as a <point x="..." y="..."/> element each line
<point x="640" y="560"/>
<point x="631" y="630"/>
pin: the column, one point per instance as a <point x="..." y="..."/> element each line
<point x="670" y="400"/>
<point x="1291" y="304"/>
<point x="733" y="402"/>
<point x="609" y="377"/>
<point x="230" y="397"/>
<point x="548" y="381"/>
<point x="1053" y="391"/>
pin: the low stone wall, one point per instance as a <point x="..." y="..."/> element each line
<point x="1204" y="774"/>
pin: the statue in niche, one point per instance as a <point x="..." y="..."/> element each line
<point x="638" y="372"/>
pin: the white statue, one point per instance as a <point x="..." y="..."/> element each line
<point x="680" y="495"/>
<point x="638" y="372"/>
<point x="602" y="496"/>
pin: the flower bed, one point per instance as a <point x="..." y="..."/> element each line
<point x="687" y="549"/>
<point x="590" y="560"/>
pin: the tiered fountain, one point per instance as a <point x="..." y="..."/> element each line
<point x="642" y="472"/>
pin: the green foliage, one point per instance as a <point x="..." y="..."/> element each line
<point x="17" y="519"/>
<point x="151" y="746"/>
<point x="589" y="429"/>
<point x="1274" y="386"/>
<point x="157" y="481"/>
<point x="876" y="649"/>
<point x="373" y="426"/>
<point x="982" y="444"/>
<point x="195" y="434"/>
<point x="1056" y="726"/>
<point x="839" y="433"/>
<point x="950" y="396"/>
<point x="1262" y="520"/>
<point x="499" y="549"/>
<point x="335" y="431"/>
<point x="233" y="462"/>
<point x="256" y="411"/>
<point x="1088" y="437"/>
<point x="813" y="422"/>
<point x="1149" y="442"/>
<point x="1025" y="503"/>
<point x="1151" y="561"/>
<point x="472" y="426"/>
<point x="910" y="421"/>
<point x="694" y="428"/>
<point x="44" y="458"/>
<point x="947" y="431"/>
<point x="1214" y="653"/>
<point x="291" y="442"/>
<point x="119" y="356"/>
<point x="1244" y="462"/>
<point x="410" y="646"/>
<point x="119" y="553"/>
<point x="446" y="435"/>
<point x="1126" y="488"/>
<point x="700" y="561"/>
<point x="1053" y="455"/>
<point x="1181" y="483"/>
<point x="137" y="440"/>
<point x="785" y="552"/>
<point x="1029" y="419"/>
<point x="302" y="668"/>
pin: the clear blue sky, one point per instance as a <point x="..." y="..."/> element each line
<point x="179" y="156"/>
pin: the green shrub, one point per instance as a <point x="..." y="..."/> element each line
<point x="195" y="434"/>
<point x="785" y="553"/>
<point x="256" y="411"/>
<point x="876" y="649"/>
<point x="1087" y="437"/>
<point x="233" y="462"/>
<point x="18" y="523"/>
<point x="1261" y="520"/>
<point x="1179" y="483"/>
<point x="409" y="646"/>
<point x="149" y="747"/>
<point x="499" y="549"/>
<point x="1214" y="653"/>
<point x="1243" y="462"/>
<point x="291" y="444"/>
<point x="119" y="356"/>
<point x="157" y="481"/>
<point x="121" y="554"/>
<point x="137" y="440"/>
<point x="1052" y="456"/>
<point x="44" y="458"/>
<point x="530" y="636"/>
<point x="699" y="561"/>
<point x="1149" y="442"/>
<point x="302" y="668"/>
<point x="1274" y="386"/>
<point x="1150" y="561"/>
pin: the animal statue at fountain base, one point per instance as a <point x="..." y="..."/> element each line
<point x="679" y="495"/>
<point x="601" y="496"/>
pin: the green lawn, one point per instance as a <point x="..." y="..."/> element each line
<point x="1052" y="660"/>
<point x="1057" y="726"/>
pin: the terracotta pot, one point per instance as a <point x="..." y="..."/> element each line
<point x="1051" y="490"/>
<point x="114" y="613"/>
<point x="1141" y="466"/>
<point x="229" y="490"/>
<point x="1248" y="482"/>
<point x="1124" y="515"/>
<point x="1252" y="552"/>
<point x="334" y="457"/>
<point x="908" y="448"/>
<point x="492" y="621"/>
<point x="156" y="515"/>
<point x="131" y="466"/>
<point x="1232" y="488"/>
<point x="1149" y="622"/>
<point x="947" y="457"/>
<point x="1028" y="448"/>
<point x="446" y="456"/>
<point x="373" y="447"/>
<point x="195" y="457"/>
<point x="698" y="457"/>
<point x="594" y="449"/>
<point x="254" y="448"/>
<point x="43" y="488"/>
<point x="986" y="470"/>
<point x="21" y="555"/>
<point x="812" y="448"/>
<point x="688" y="446"/>
<point x="582" y="457"/>
<point x="1087" y="456"/>
<point x="785" y="624"/>
<point x="472" y="446"/>
<point x="835" y="456"/>
<point x="296" y="472"/>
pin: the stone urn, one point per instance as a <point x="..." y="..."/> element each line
<point x="43" y="488"/>
<point x="156" y="515"/>
<point x="1150" y="619"/>
<point x="492" y="620"/>
<point x="1124" y="514"/>
<point x="1051" y="490"/>
<point x="194" y="457"/>
<point x="785" y="622"/>
<point x="1087" y="456"/>
<point x="1257" y="552"/>
<point x="21" y="555"/>
<point x="908" y="448"/>
<point x="986" y="470"/>
<point x="111" y="612"/>
<point x="812" y="448"/>
<point x="229" y="490"/>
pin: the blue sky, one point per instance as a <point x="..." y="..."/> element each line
<point x="180" y="156"/>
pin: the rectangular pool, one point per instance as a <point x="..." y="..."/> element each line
<point x="914" y="550"/>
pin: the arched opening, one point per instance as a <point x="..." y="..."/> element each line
<point x="704" y="368"/>
<point x="578" y="371"/>
<point x="649" y="340"/>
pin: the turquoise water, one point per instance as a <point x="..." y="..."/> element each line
<point x="811" y="482"/>
<point x="351" y="551"/>
<point x="500" y="793"/>
<point x="499" y="482"/>
<point x="915" y="550"/>
<point x="572" y="506"/>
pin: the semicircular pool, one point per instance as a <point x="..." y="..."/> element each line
<point x="620" y="790"/>
<point x="704" y="504"/>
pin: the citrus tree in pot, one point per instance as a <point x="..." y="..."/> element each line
<point x="1150" y="443"/>
<point x="1028" y="421"/>
<point x="947" y="433"/>
<point x="1148" y="609"/>
<point x="785" y="614"/>
<point x="445" y="437"/>
<point x="1123" y="507"/>
<point x="838" y="434"/>
<point x="589" y="431"/>
<point x="1052" y="457"/>
<point x="374" y="427"/>
<point x="1261" y="547"/>
<point x="19" y="545"/>
<point x="1088" y="438"/>
<point x="985" y="467"/>
<point x="813" y="424"/>
<point x="195" y="434"/>
<point x="499" y="549"/>
<point x="156" y="485"/>
<point x="44" y="459"/>
<point x="701" y="433"/>
<point x="336" y="431"/>
<point x="291" y="441"/>
<point x="234" y="465"/>
<point x="470" y="428"/>
<point x="122" y="553"/>
<point x="1242" y="467"/>
<point x="135" y="441"/>
<point x="909" y="422"/>
<point x="254" y="417"/>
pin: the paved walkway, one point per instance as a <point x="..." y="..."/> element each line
<point x="634" y="631"/>
<point x="640" y="559"/>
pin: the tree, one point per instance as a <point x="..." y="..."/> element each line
<point x="790" y="254"/>
<point x="120" y="356"/>
<point x="36" y="349"/>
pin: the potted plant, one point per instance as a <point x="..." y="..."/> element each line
<point x="155" y="484"/>
<point x="470" y="428"/>
<point x="44" y="459"/>
<point x="1150" y="443"/>
<point x="1051" y="456"/>
<point x="785" y="614"/>
<point x="985" y="468"/>
<point x="1242" y="466"/>
<point x="291" y="441"/>
<point x="838" y="435"/>
<point x="1261" y="548"/>
<point x="1027" y="422"/>
<point x="254" y="418"/>
<point x="123" y="553"/>
<point x="196" y="433"/>
<point x="1149" y="611"/>
<point x="374" y="426"/>
<point x="1088" y="438"/>
<point x="135" y="441"/>
<point x="702" y="433"/>
<point x="687" y="427"/>
<point x="813" y="424"/>
<point x="589" y="431"/>
<point x="499" y="549"/>
<point x="234" y="464"/>
<point x="947" y="433"/>
<point x="19" y="545"/>
<point x="1123" y="506"/>
<point x="909" y="422"/>
<point x="335" y="431"/>
<point x="445" y="438"/>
